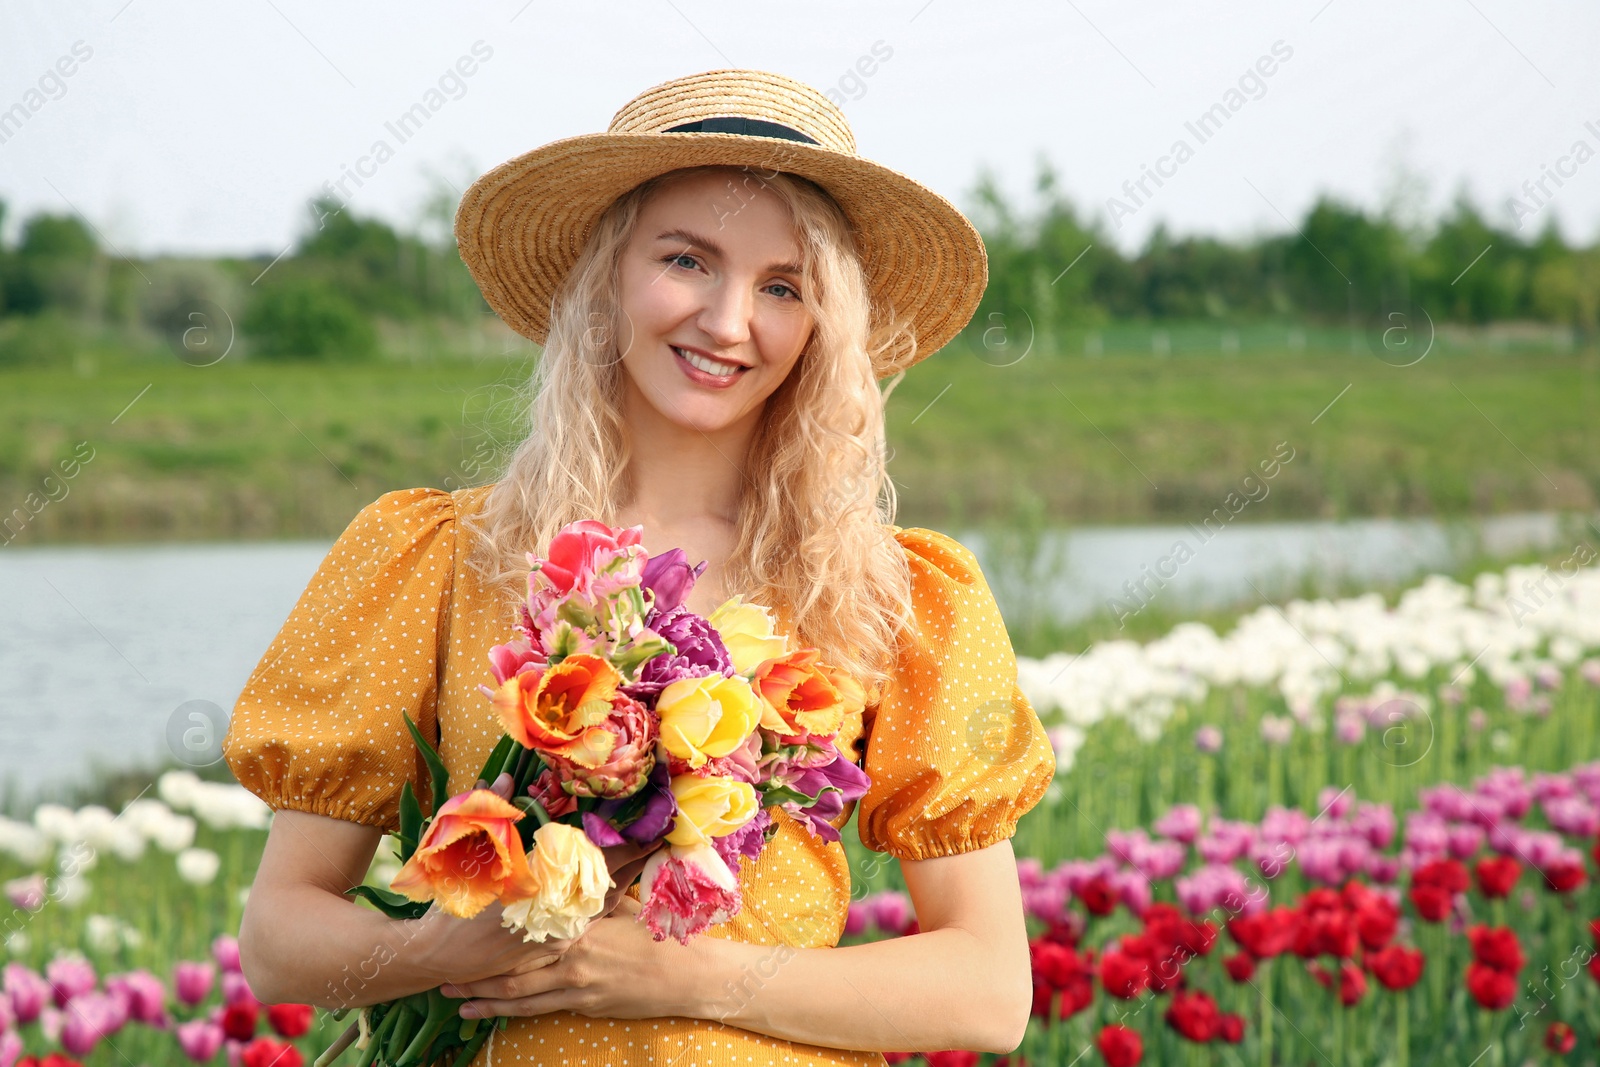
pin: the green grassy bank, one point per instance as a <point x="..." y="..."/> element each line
<point x="259" y="450"/>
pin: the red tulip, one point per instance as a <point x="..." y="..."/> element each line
<point x="1194" y="1015"/>
<point x="1098" y="896"/>
<point x="1241" y="967"/>
<point x="239" y="1020"/>
<point x="1231" y="1028"/>
<point x="951" y="1058"/>
<point x="1496" y="947"/>
<point x="1497" y="875"/>
<point x="1446" y="873"/>
<point x="1396" y="967"/>
<point x="1120" y="1046"/>
<point x="1330" y="931"/>
<point x="1564" y="876"/>
<point x="1056" y="965"/>
<point x="1492" y="988"/>
<point x="265" y="1052"/>
<point x="1433" y="902"/>
<point x="1559" y="1038"/>
<point x="290" y="1020"/>
<point x="1352" y="984"/>
<point x="1376" y="919"/>
<point x="1123" y="974"/>
<point x="1266" y="933"/>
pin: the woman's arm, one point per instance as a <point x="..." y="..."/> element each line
<point x="303" y="941"/>
<point x="962" y="982"/>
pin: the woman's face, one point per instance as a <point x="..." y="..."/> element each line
<point x="711" y="276"/>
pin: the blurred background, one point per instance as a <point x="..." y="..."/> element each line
<point x="1310" y="288"/>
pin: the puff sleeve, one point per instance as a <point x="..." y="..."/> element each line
<point x="318" y="726"/>
<point x="955" y="752"/>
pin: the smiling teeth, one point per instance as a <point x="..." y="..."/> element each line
<point x="721" y="370"/>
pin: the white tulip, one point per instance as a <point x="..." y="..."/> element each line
<point x="198" y="865"/>
<point x="175" y="833"/>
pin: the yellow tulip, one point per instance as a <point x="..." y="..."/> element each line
<point x="747" y="633"/>
<point x="710" y="807"/>
<point x="705" y="717"/>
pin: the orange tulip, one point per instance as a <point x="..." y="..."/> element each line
<point x="798" y="696"/>
<point x="469" y="857"/>
<point x="560" y="709"/>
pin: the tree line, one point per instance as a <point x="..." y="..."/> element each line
<point x="345" y="276"/>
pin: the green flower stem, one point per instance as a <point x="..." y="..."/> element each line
<point x="1402" y="1036"/>
<point x="441" y="1009"/>
<point x="1263" y="970"/>
<point x="470" y="1049"/>
<point x="402" y="1030"/>
<point x="342" y="1042"/>
<point x="379" y="1034"/>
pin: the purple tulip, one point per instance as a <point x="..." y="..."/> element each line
<point x="225" y="950"/>
<point x="1350" y="729"/>
<point x="700" y="653"/>
<point x="1046" y="901"/>
<point x="199" y="1039"/>
<point x="1382" y="868"/>
<point x="27" y="991"/>
<point x="69" y="976"/>
<point x="192" y="980"/>
<point x="856" y="920"/>
<point x="834" y="784"/>
<point x="1589" y="670"/>
<point x="1285" y="824"/>
<point x="1030" y="872"/>
<point x="670" y="578"/>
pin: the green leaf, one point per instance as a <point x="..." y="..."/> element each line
<point x="437" y="772"/>
<point x="390" y="903"/>
<point x="497" y="759"/>
<point x="410" y="822"/>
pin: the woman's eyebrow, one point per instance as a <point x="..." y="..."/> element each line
<point x="715" y="249"/>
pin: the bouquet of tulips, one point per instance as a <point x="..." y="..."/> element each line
<point x="629" y="720"/>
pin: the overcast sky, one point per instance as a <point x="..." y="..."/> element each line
<point x="195" y="127"/>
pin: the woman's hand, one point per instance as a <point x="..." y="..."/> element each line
<point x="465" y="950"/>
<point x="613" y="970"/>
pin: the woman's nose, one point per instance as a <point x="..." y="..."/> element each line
<point x="726" y="316"/>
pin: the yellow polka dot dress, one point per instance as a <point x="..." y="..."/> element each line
<point x="394" y="622"/>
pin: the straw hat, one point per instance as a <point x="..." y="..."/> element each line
<point x="521" y="226"/>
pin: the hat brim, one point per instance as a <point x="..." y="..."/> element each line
<point x="521" y="226"/>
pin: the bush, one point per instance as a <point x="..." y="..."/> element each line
<point x="300" y="318"/>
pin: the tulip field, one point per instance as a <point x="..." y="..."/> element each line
<point x="1342" y="832"/>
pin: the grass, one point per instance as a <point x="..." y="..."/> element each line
<point x="257" y="450"/>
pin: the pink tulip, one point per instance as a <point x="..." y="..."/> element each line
<point x="1181" y="823"/>
<point x="1132" y="888"/>
<point x="856" y="919"/>
<point x="69" y="976"/>
<point x="235" y="988"/>
<point x="26" y="893"/>
<point x="1589" y="669"/>
<point x="199" y="1039"/>
<point x="50" y="1020"/>
<point x="1464" y="840"/>
<point x="27" y="992"/>
<point x="225" y="950"/>
<point x="146" y="996"/>
<point x="1208" y="739"/>
<point x="192" y="980"/>
<point x="91" y="1017"/>
<point x="890" y="911"/>
<point x="1030" y="871"/>
<point x="10" y="1048"/>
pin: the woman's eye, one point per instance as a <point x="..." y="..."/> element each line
<point x="681" y="259"/>
<point x="788" y="289"/>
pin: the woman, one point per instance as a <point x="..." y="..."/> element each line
<point x="719" y="282"/>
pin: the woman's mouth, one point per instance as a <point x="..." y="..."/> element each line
<point x="706" y="371"/>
